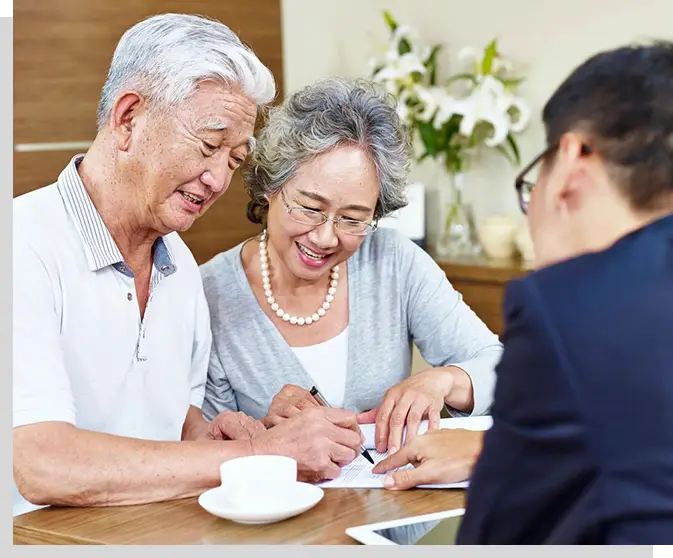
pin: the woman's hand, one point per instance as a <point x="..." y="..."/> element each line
<point x="289" y="401"/>
<point x="439" y="457"/>
<point x="406" y="404"/>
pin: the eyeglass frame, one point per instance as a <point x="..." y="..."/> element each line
<point x="372" y="225"/>
<point x="520" y="180"/>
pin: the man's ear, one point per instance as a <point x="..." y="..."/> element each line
<point x="569" y="171"/>
<point x="122" y="119"/>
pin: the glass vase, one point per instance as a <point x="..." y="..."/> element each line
<point x="458" y="235"/>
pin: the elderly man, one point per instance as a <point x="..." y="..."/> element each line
<point x="111" y="327"/>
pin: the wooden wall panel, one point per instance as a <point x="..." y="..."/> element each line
<point x="37" y="169"/>
<point x="62" y="50"/>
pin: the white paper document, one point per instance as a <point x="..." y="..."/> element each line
<point x="358" y="473"/>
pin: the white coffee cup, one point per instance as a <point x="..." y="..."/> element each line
<point x="258" y="481"/>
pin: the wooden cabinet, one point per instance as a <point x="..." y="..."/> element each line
<point x="482" y="283"/>
<point x="62" y="51"/>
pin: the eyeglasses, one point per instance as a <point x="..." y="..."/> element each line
<point x="528" y="177"/>
<point x="315" y="218"/>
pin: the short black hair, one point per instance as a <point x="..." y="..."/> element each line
<point x="623" y="100"/>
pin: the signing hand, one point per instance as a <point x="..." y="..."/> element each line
<point x="320" y="439"/>
<point x="288" y="402"/>
<point x="439" y="457"/>
<point x="407" y="403"/>
<point x="229" y="425"/>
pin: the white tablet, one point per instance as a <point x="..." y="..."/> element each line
<point x="433" y="528"/>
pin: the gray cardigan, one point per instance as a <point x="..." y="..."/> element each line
<point x="397" y="295"/>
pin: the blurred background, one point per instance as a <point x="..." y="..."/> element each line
<point x="62" y="49"/>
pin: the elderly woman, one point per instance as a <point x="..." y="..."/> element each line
<point x="322" y="297"/>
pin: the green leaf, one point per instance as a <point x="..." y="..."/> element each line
<point x="416" y="76"/>
<point x="431" y="64"/>
<point x="489" y="55"/>
<point x="429" y="137"/>
<point x="453" y="162"/>
<point x="389" y="20"/>
<point x="515" y="149"/>
<point x="404" y="46"/>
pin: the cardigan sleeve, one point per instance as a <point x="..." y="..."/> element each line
<point x="445" y="329"/>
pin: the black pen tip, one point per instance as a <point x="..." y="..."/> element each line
<point x="368" y="457"/>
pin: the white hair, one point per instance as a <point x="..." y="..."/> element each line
<point x="164" y="57"/>
<point x="316" y="119"/>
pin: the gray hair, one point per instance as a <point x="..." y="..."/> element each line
<point x="320" y="117"/>
<point x="166" y="56"/>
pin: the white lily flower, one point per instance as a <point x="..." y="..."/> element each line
<point x="391" y="86"/>
<point x="482" y="106"/>
<point x="501" y="64"/>
<point x="401" y="68"/>
<point x="430" y="98"/>
<point x="469" y="54"/>
<point x="403" y="111"/>
<point x="447" y="108"/>
<point x="487" y="102"/>
<point x="402" y="108"/>
<point x="410" y="62"/>
<point x="402" y="32"/>
<point x="391" y="56"/>
<point x="507" y="101"/>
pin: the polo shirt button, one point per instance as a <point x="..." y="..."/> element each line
<point x="122" y="268"/>
<point x="163" y="268"/>
<point x="129" y="296"/>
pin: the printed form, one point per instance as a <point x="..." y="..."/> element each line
<point x="358" y="473"/>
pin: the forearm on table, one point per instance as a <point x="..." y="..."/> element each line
<point x="59" y="464"/>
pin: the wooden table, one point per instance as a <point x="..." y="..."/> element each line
<point x="185" y="522"/>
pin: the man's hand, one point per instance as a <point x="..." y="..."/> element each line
<point x="320" y="439"/>
<point x="288" y="402"/>
<point x="230" y="425"/>
<point x="439" y="457"/>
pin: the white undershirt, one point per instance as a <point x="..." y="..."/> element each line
<point x="327" y="363"/>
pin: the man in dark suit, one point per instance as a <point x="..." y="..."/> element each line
<point x="581" y="447"/>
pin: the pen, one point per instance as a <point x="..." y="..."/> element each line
<point x="315" y="393"/>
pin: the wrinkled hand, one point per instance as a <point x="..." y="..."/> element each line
<point x="407" y="403"/>
<point x="439" y="457"/>
<point x="230" y="425"/>
<point x="320" y="439"/>
<point x="288" y="402"/>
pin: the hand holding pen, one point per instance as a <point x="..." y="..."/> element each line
<point x="319" y="397"/>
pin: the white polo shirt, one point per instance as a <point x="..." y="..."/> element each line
<point x="82" y="354"/>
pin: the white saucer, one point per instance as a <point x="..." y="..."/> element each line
<point x="304" y="498"/>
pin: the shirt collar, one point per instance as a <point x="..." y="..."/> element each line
<point x="99" y="246"/>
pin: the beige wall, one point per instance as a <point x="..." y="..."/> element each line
<point x="337" y="37"/>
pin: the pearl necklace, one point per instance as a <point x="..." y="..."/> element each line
<point x="266" y="281"/>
